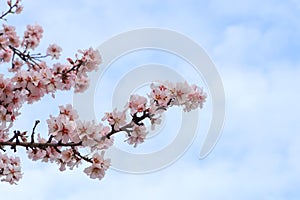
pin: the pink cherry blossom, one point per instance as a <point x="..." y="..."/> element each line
<point x="3" y="135"/>
<point x="91" y="59"/>
<point x="9" y="36"/>
<point x="160" y="94"/>
<point x="62" y="128"/>
<point x="102" y="142"/>
<point x="117" y="119"/>
<point x="54" y="51"/>
<point x="93" y="135"/>
<point x="69" y="112"/>
<point x="5" y="55"/>
<point x="137" y="136"/>
<point x="10" y="168"/>
<point x="195" y="99"/>
<point x="50" y="153"/>
<point x="180" y="93"/>
<point x="32" y="36"/>
<point x="86" y="131"/>
<point x="68" y="158"/>
<point x="48" y="80"/>
<point x="137" y="103"/>
<point x="155" y="121"/>
<point x="19" y="9"/>
<point x="98" y="167"/>
<point x="81" y="84"/>
<point x="67" y="155"/>
<point x="17" y="64"/>
<point x="155" y="112"/>
<point x="36" y="154"/>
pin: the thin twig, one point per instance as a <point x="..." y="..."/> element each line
<point x="33" y="130"/>
<point x="8" y="12"/>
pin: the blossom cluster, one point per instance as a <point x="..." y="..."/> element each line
<point x="10" y="168"/>
<point x="162" y="96"/>
<point x="178" y="94"/>
<point x="98" y="167"/>
<point x="67" y="136"/>
<point x="32" y="78"/>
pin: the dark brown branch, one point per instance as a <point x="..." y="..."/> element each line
<point x="135" y="120"/>
<point x="25" y="57"/>
<point x="50" y="139"/>
<point x="76" y="153"/>
<point x="33" y="130"/>
<point x="39" y="145"/>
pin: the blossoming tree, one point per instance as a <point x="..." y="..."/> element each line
<point x="32" y="78"/>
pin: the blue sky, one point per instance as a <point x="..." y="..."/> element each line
<point x="255" y="47"/>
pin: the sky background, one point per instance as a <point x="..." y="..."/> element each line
<point x="255" y="46"/>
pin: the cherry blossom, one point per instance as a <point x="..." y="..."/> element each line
<point x="3" y="135"/>
<point x="137" y="103"/>
<point x="54" y="51"/>
<point x="91" y="59"/>
<point x="62" y="128"/>
<point x="17" y="64"/>
<point x="137" y="136"/>
<point x="9" y="36"/>
<point x="93" y="135"/>
<point x="36" y="154"/>
<point x="19" y="9"/>
<point x="86" y="131"/>
<point x="160" y="94"/>
<point x="68" y="158"/>
<point x="81" y="84"/>
<point x="32" y="36"/>
<point x="115" y="118"/>
<point x="69" y="112"/>
<point x="98" y="167"/>
<point x="180" y="92"/>
<point x="102" y="142"/>
<point x="195" y="99"/>
<point x="5" y="55"/>
<point x="155" y="121"/>
<point x="10" y="169"/>
<point x="67" y="155"/>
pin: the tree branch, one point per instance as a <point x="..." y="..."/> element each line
<point x="39" y="145"/>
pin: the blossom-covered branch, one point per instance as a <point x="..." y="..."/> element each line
<point x="68" y="134"/>
<point x="32" y="78"/>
